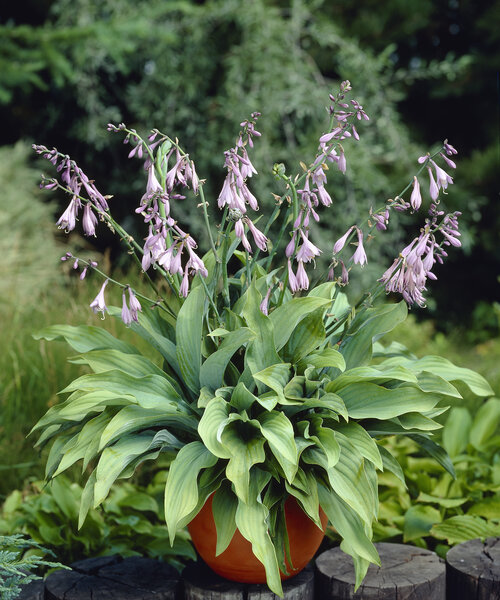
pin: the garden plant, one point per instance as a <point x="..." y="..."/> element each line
<point x="273" y="384"/>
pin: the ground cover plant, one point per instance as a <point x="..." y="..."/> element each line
<point x="271" y="386"/>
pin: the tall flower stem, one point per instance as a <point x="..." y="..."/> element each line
<point x="225" y="248"/>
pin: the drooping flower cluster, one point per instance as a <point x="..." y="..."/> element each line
<point x="314" y="191"/>
<point x="235" y="194"/>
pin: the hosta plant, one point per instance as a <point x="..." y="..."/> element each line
<point x="265" y="387"/>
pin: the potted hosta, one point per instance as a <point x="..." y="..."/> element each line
<point x="273" y="392"/>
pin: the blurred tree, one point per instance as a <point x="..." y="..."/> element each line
<point x="195" y="69"/>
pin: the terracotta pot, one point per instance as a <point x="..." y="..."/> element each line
<point x="238" y="562"/>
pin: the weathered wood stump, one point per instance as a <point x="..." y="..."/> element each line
<point x="114" y="578"/>
<point x="33" y="591"/>
<point x="200" y="583"/>
<point x="407" y="573"/>
<point x="473" y="570"/>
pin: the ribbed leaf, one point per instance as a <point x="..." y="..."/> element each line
<point x="329" y="357"/>
<point x="242" y="399"/>
<point x="275" y="377"/>
<point x="326" y="440"/>
<point x="349" y="480"/>
<point x="287" y="316"/>
<point x="261" y="351"/>
<point x="436" y="451"/>
<point x="87" y="499"/>
<point x="216" y="412"/>
<point x="418" y="521"/>
<point x="362" y="440"/>
<point x="371" y="375"/>
<point x="252" y="522"/>
<point x="134" y="418"/>
<point x="464" y="527"/>
<point x="151" y="391"/>
<point x="212" y="370"/>
<point x="278" y="431"/>
<point x="246" y="447"/>
<point x="391" y="464"/>
<point x="367" y="328"/>
<point x="109" y="360"/>
<point x="115" y="458"/>
<point x="456" y="430"/>
<point x="485" y="424"/>
<point x="84" y="338"/>
<point x="415" y="421"/>
<point x="224" y="505"/>
<point x="445" y="369"/>
<point x="306" y="337"/>
<point x="305" y="489"/>
<point x="367" y="400"/>
<point x="348" y="525"/>
<point x="189" y="330"/>
<point x="181" y="491"/>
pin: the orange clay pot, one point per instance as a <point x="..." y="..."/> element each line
<point x="238" y="562"/>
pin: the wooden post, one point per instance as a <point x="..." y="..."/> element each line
<point x="407" y="572"/>
<point x="114" y="578"/>
<point x="200" y="583"/>
<point x="473" y="570"/>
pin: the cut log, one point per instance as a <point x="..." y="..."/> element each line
<point x="200" y="583"/>
<point x="473" y="570"/>
<point x="32" y="591"/>
<point x="114" y="578"/>
<point x="407" y="573"/>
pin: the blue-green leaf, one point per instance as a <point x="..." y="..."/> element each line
<point x="181" y="490"/>
<point x="189" y="330"/>
<point x="85" y="338"/>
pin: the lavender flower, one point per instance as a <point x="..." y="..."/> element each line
<point x="126" y="315"/>
<point x="433" y="188"/>
<point x="340" y="243"/>
<point x="67" y="220"/>
<point x="416" y="198"/>
<point x="89" y="220"/>
<point x="98" y="304"/>
<point x="359" y="257"/>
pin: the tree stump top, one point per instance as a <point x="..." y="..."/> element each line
<point x="474" y="570"/>
<point x="110" y="578"/>
<point x="407" y="572"/>
<point x="201" y="583"/>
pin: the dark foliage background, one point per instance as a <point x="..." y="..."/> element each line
<point x="424" y="71"/>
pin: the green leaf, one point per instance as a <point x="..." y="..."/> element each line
<point x="261" y="351"/>
<point x="488" y="508"/>
<point x="419" y="520"/>
<point x="189" y="330"/>
<point x="447" y="370"/>
<point x="224" y="505"/>
<point x="444" y="502"/>
<point x="212" y="370"/>
<point x="326" y="440"/>
<point x="306" y="337"/>
<point x="181" y="491"/>
<point x="109" y="360"/>
<point x="62" y="492"/>
<point x="286" y="317"/>
<point x="371" y="375"/>
<point x="485" y="424"/>
<point x="328" y="357"/>
<point x="456" y="430"/>
<point x="362" y="440"/>
<point x="150" y="391"/>
<point x="278" y="431"/>
<point x="367" y="400"/>
<point x="391" y="464"/>
<point x="305" y="490"/>
<point x="350" y="481"/>
<point x="434" y="450"/>
<point x="367" y="328"/>
<point x="252" y="522"/>
<point x="152" y="328"/>
<point x="84" y="338"/>
<point x="115" y="458"/>
<point x="348" y="524"/>
<point x="87" y="499"/>
<point x="215" y="413"/>
<point x="242" y="399"/>
<point x="275" y="377"/>
<point x="133" y="418"/>
<point x="246" y="447"/>
<point x="418" y="421"/>
<point x="464" y="527"/>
